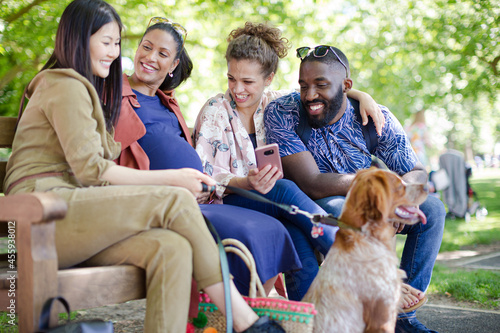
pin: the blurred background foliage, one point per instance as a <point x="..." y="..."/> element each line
<point x="441" y="56"/>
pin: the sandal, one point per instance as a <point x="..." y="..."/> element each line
<point x="406" y="290"/>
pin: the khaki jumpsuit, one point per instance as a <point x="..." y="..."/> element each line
<point x="157" y="228"/>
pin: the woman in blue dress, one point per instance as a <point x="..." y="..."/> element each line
<point x="154" y="136"/>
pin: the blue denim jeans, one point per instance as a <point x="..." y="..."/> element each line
<point x="422" y="241"/>
<point x="299" y="227"/>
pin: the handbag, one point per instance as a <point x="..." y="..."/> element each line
<point x="293" y="316"/>
<point x="87" y="326"/>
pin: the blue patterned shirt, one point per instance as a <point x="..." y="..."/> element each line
<point x="341" y="147"/>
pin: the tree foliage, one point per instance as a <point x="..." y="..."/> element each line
<point x="438" y="55"/>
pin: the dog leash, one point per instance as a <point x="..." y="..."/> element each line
<point x="328" y="219"/>
<point x="316" y="219"/>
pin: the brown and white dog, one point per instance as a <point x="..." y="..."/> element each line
<point x="358" y="287"/>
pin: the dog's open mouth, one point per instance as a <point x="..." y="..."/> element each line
<point x="411" y="214"/>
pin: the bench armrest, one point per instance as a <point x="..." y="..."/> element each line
<point x="32" y="207"/>
<point x="30" y="217"/>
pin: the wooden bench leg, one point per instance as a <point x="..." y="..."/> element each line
<point x="37" y="272"/>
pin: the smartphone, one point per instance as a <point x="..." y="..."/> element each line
<point x="269" y="154"/>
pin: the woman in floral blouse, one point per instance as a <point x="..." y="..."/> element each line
<point x="230" y="126"/>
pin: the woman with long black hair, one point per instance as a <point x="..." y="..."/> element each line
<point x="116" y="215"/>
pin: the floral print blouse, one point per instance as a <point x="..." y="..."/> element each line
<point x="223" y="143"/>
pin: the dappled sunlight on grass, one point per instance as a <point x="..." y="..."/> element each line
<point x="486" y="184"/>
<point x="459" y="233"/>
<point x="474" y="286"/>
<point x="483" y="226"/>
<point x="486" y="173"/>
<point x="489" y="194"/>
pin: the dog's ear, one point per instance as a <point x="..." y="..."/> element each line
<point x="371" y="194"/>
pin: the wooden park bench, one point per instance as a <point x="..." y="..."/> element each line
<point x="31" y="275"/>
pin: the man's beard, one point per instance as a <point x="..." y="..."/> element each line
<point x="332" y="108"/>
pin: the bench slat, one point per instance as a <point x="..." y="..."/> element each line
<point x="7" y="129"/>
<point x="3" y="165"/>
<point x="85" y="288"/>
<point x="88" y="287"/>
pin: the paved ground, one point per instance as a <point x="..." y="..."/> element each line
<point x="446" y="318"/>
<point x="439" y="314"/>
<point x="450" y="319"/>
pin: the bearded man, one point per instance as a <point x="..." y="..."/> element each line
<point x="324" y="165"/>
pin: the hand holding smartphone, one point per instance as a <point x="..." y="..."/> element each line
<point x="269" y="155"/>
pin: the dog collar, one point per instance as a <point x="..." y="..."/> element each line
<point x="331" y="220"/>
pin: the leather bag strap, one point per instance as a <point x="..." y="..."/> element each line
<point x="47" y="306"/>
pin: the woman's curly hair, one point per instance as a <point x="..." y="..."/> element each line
<point x="260" y="42"/>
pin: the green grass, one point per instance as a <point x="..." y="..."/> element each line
<point x="478" y="286"/>
<point x="6" y="327"/>
<point x="4" y="154"/>
<point x="459" y="234"/>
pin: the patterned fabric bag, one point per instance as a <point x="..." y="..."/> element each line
<point x="294" y="317"/>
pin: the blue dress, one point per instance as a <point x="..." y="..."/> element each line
<point x="266" y="238"/>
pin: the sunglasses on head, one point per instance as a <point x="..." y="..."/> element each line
<point x="319" y="52"/>
<point x="176" y="26"/>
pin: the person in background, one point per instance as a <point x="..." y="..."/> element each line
<point x="154" y="136"/>
<point x="419" y="137"/>
<point x="116" y="215"/>
<point x="230" y="126"/>
<point x="325" y="166"/>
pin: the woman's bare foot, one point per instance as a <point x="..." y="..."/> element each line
<point x="411" y="298"/>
